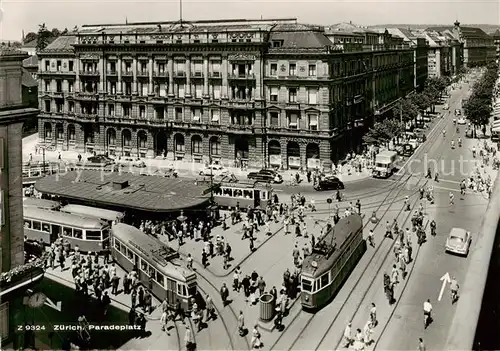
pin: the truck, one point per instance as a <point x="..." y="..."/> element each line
<point x="385" y="164"/>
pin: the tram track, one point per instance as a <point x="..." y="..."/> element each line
<point x="397" y="186"/>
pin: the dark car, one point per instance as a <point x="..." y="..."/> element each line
<point x="100" y="160"/>
<point x="266" y="175"/>
<point x="329" y="183"/>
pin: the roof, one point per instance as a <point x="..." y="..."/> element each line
<point x="144" y="193"/>
<point x="31" y="62"/>
<point x="329" y="248"/>
<point x="467" y="32"/>
<point x="63" y="43"/>
<point x="305" y="39"/>
<point x="27" y="79"/>
<point x="62" y="218"/>
<point x="93" y="212"/>
<point x="152" y="248"/>
<point x="29" y="44"/>
<point x="496" y="34"/>
<point x="349" y="28"/>
<point x="40" y="203"/>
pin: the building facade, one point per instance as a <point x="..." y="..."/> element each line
<point x="12" y="115"/>
<point x="243" y="92"/>
<point x="496" y="39"/>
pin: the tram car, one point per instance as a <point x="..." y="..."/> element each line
<point x="46" y="226"/>
<point x="331" y="262"/>
<point x="156" y="264"/>
<point x="109" y="216"/>
<point x="41" y="203"/>
<point x="253" y="194"/>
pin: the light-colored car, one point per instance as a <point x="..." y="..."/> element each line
<point x="129" y="161"/>
<point x="461" y="121"/>
<point x="214" y="170"/>
<point x="446" y="107"/>
<point x="413" y="142"/>
<point x="458" y="241"/>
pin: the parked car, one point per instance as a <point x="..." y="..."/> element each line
<point x="129" y="161"/>
<point x="458" y="112"/>
<point x="446" y="107"/>
<point x="213" y="170"/>
<point x="458" y="241"/>
<point x="166" y="172"/>
<point x="461" y="121"/>
<point x="329" y="183"/>
<point x="266" y="175"/>
<point x="102" y="160"/>
<point x="407" y="150"/>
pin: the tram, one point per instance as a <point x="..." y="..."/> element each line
<point x="331" y="262"/>
<point x="109" y="216"/>
<point x="41" y="203"/>
<point x="90" y="234"/>
<point x="253" y="194"/>
<point x="156" y="264"/>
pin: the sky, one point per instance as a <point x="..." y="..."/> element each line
<point x="18" y="15"/>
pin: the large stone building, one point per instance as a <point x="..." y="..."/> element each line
<point x="250" y="92"/>
<point x="496" y="37"/>
<point x="15" y="276"/>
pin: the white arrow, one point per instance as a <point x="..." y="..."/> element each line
<point x="57" y="306"/>
<point x="446" y="279"/>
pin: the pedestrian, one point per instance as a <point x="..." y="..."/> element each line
<point x="163" y="320"/>
<point x="179" y="311"/>
<point x="358" y="206"/>
<point x="347" y="335"/>
<point x="402" y="266"/>
<point x="106" y="301"/>
<point x="368" y="331"/>
<point x="261" y="284"/>
<point x="224" y="293"/>
<point x="188" y="339"/>
<point x="209" y="306"/>
<point x="236" y="280"/>
<point x="394" y="275"/>
<point x="421" y="345"/>
<point x="189" y="262"/>
<point x="241" y="324"/>
<point x="256" y="342"/>
<point x="245" y="282"/>
<point x="388" y="230"/>
<point x="373" y="315"/>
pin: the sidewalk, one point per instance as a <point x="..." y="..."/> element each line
<point x="184" y="168"/>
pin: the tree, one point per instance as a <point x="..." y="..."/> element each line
<point x="55" y="32"/>
<point x="65" y="31"/>
<point x="383" y="132"/>
<point x="421" y="101"/>
<point x="407" y="110"/>
<point x="30" y="37"/>
<point x="44" y="35"/>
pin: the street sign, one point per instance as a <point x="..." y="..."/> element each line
<point x="446" y="280"/>
<point x="57" y="306"/>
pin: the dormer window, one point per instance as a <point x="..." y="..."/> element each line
<point x="277" y="43"/>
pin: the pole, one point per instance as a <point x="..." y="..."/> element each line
<point x="180" y="12"/>
<point x="43" y="160"/>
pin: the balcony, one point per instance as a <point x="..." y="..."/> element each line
<point x="241" y="104"/>
<point x="84" y="117"/>
<point x="159" y="122"/>
<point x="127" y="73"/>
<point x="240" y="128"/>
<point x="85" y="95"/>
<point x="143" y="74"/>
<point x="215" y="75"/>
<point x="58" y="73"/>
<point x="111" y="73"/>
<point x="241" y="76"/>
<point x="58" y="94"/>
<point x="162" y="74"/>
<point x="196" y="74"/>
<point x="93" y="73"/>
<point x="180" y="74"/>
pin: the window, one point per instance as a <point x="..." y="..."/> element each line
<point x="198" y="68"/>
<point x="216" y="91"/>
<point x="111" y="110"/>
<point x="215" y="147"/>
<point x="128" y="67"/>
<point x="93" y="235"/>
<point x="181" y="290"/>
<point x="313" y="121"/>
<point x="178" y="114"/>
<point x="293" y="119"/>
<point x="159" y="113"/>
<point x="126" y="110"/>
<point x="112" y="88"/>
<point x="274" y="119"/>
<point x="180" y="90"/>
<point x="77" y="233"/>
<point x="312" y="70"/>
<point x="144" y="67"/>
<point x="70" y="87"/>
<point x="145" y="267"/>
<point x="312" y="96"/>
<point x="215" y="116"/>
<point x="37" y="225"/>
<point x="59" y="106"/>
<point x="216" y="69"/>
<point x="198" y="91"/>
<point x="196" y="147"/>
<point x="306" y="285"/>
<point x="59" y="65"/>
<point x="130" y="255"/>
<point x="143" y="89"/>
<point x="179" y="145"/>
<point x="47" y="85"/>
<point x="273" y="94"/>
<point x="47" y="65"/>
<point x="112" y="66"/>
<point x="59" y="86"/>
<point x="71" y="134"/>
<point x="118" y="245"/>
<point x="180" y="66"/>
<point x="274" y="69"/>
<point x="160" y="279"/>
<point x="142" y="111"/>
<point x="196" y="114"/>
<point x="292" y="69"/>
<point x="47" y="105"/>
<point x="292" y="95"/>
<point x="325" y="279"/>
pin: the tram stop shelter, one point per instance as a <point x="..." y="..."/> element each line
<point x="138" y="193"/>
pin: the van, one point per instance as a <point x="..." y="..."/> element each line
<point x="385" y="164"/>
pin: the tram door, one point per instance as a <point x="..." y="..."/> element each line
<point x="256" y="198"/>
<point x="171" y="293"/>
<point x="55" y="232"/>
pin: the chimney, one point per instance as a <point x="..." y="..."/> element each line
<point x="350" y="22"/>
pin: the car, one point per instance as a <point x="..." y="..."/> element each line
<point x="458" y="112"/>
<point x="129" y="161"/>
<point x="413" y="142"/>
<point x="329" y="183"/>
<point x="266" y="175"/>
<point x="101" y="160"/>
<point x="458" y="241"/>
<point x="461" y="121"/>
<point x="213" y="170"/>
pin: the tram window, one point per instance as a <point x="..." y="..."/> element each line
<point x="46" y="227"/>
<point x="160" y="279"/>
<point x="37" y="225"/>
<point x="192" y="290"/>
<point x="152" y="272"/>
<point x="117" y="245"/>
<point x="237" y="193"/>
<point x="93" y="235"/>
<point x="77" y="233"/>
<point x="227" y="192"/>
<point x="248" y="194"/>
<point x="171" y="285"/>
<point x="105" y="233"/>
<point x="67" y="231"/>
<point x="263" y="195"/>
<point x="325" y="279"/>
<point x="130" y="254"/>
<point x="218" y="192"/>
<point x="27" y="224"/>
<point x="306" y="285"/>
<point x="181" y="290"/>
<point x="144" y="267"/>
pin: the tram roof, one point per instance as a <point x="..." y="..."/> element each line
<point x="329" y="248"/>
<point x="139" y="192"/>
<point x="40" y="203"/>
<point x="151" y="248"/>
<point x="94" y="212"/>
<point x="68" y="219"/>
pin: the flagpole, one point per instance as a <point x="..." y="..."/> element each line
<point x="180" y="12"/>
